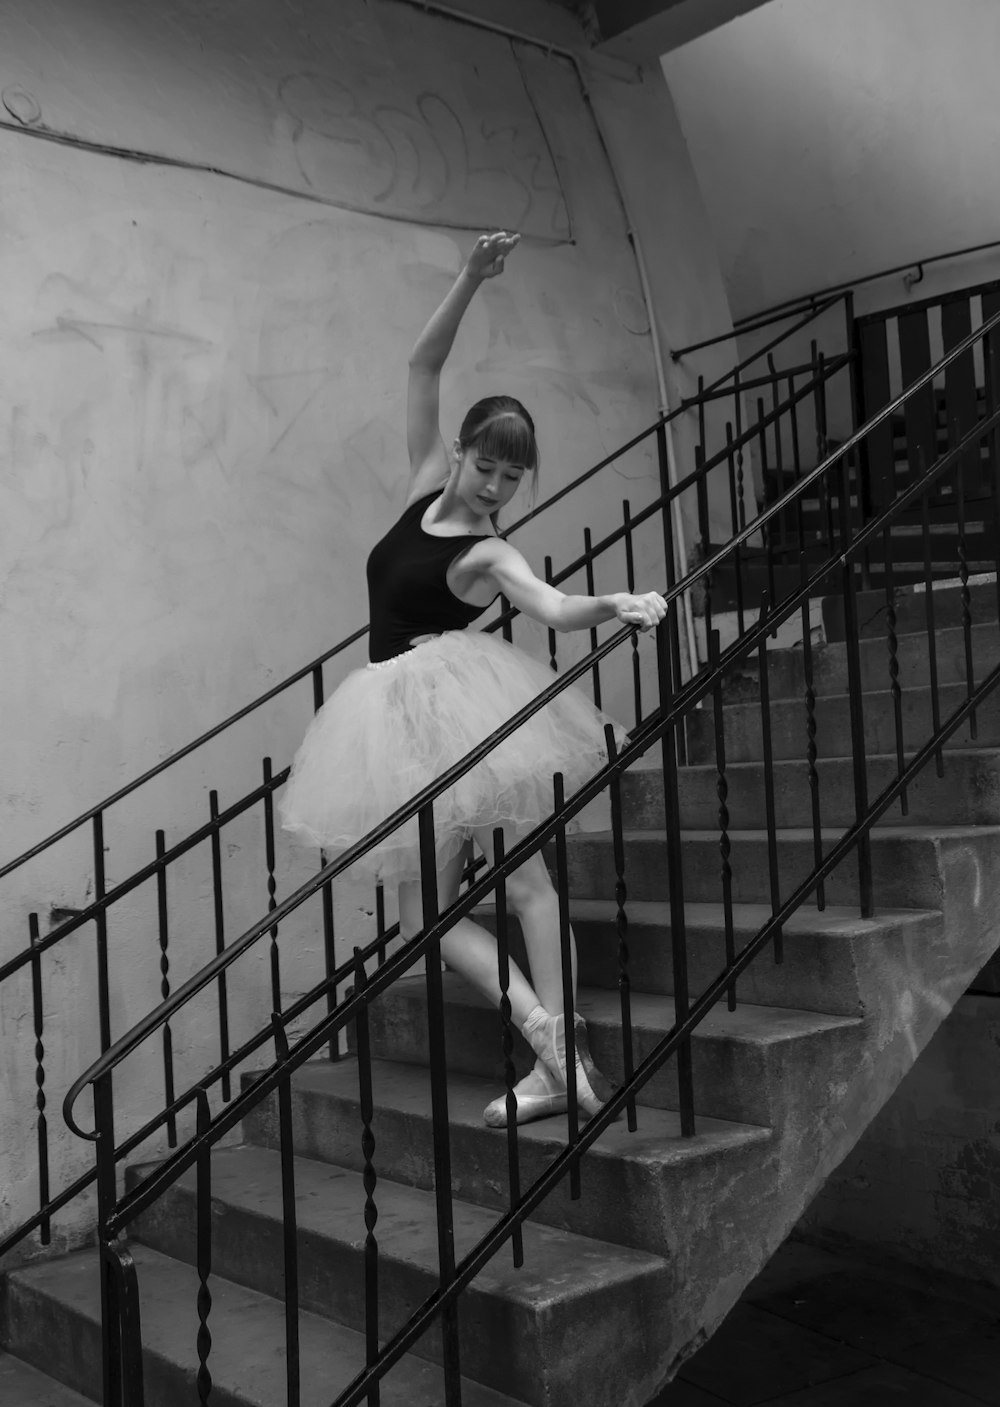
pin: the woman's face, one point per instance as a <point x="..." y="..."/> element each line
<point x="485" y="484"/>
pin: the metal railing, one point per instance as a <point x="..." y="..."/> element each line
<point x="724" y="471"/>
<point x="849" y="536"/>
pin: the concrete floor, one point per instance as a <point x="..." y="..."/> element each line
<point x="822" y="1330"/>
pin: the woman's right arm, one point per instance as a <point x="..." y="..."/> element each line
<point x="424" y="443"/>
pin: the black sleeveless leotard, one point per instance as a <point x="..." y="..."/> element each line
<point x="408" y="591"/>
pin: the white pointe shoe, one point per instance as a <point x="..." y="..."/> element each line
<point x="538" y="1095"/>
<point x="547" y="1038"/>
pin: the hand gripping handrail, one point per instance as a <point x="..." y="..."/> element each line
<point x="162" y="1013"/>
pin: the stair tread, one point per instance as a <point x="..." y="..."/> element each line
<point x="248" y="1335"/>
<point x="842" y="920"/>
<point x="21" y="1385"/>
<point x="558" y="1265"/>
<point x="404" y="1088"/>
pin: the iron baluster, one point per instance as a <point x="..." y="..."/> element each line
<point x="168" y="1039"/>
<point x="855" y="687"/>
<point x="369" y="1177"/>
<point x="507" y="1044"/>
<point x="329" y="934"/>
<point x="552" y="633"/>
<point x="101" y="924"/>
<point x="822" y="445"/>
<point x="705" y="531"/>
<point x="630" y="584"/>
<point x="220" y="939"/>
<point x="768" y="759"/>
<point x="811" y="749"/>
<point x="966" y="596"/>
<point x="568" y="992"/>
<point x="588" y="548"/>
<point x="122" y="1267"/>
<point x="41" y="1123"/>
<point x="738" y="416"/>
<point x="439" y="1108"/>
<point x="675" y="880"/>
<point x="621" y="923"/>
<point x="380" y="922"/>
<point x="289" y="1219"/>
<point x="770" y="528"/>
<point x="666" y="519"/>
<point x="892" y="643"/>
<point x="734" y="513"/>
<point x="111" y="1300"/>
<point x="506" y="629"/>
<point x="722" y="792"/>
<point x="203" y="1235"/>
<point x="272" y="903"/>
<point x="929" y="616"/>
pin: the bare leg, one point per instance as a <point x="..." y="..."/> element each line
<point x="467" y="948"/>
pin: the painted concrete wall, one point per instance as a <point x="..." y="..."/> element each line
<point x="923" y="1183"/>
<point x="203" y="361"/>
<point x="833" y="138"/>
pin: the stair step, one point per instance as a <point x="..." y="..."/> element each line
<point x="21" y="1385"/>
<point x="786" y="668"/>
<point x="825" y="953"/>
<point x="661" y="1169"/>
<point x="967" y="794"/>
<point x="750" y="1064"/>
<point x="55" y="1318"/>
<point x="579" y="1311"/>
<point x="908" y="863"/>
<point x="744" y="737"/>
<point x="911" y="609"/>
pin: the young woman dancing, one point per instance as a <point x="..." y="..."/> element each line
<point x="434" y="689"/>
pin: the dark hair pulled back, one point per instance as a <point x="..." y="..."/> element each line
<point x="500" y="427"/>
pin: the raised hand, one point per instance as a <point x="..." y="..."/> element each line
<point x="486" y="259"/>
<point x="644" y="611"/>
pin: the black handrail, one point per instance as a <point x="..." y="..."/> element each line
<point x="121" y="1048"/>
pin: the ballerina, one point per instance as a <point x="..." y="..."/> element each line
<point x="434" y="689"/>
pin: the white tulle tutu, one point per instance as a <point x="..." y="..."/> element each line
<point x="390" y="729"/>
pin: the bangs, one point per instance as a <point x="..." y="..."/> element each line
<point x="507" y="437"/>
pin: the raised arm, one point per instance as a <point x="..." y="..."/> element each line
<point x="424" y="443"/>
<point x="510" y="573"/>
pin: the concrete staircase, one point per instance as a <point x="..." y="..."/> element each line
<point x="620" y="1286"/>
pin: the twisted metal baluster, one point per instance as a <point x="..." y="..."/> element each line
<point x="168" y="1038"/>
<point x="42" y="1123"/>
<point x="272" y="886"/>
<point x="220" y="939"/>
<point x="812" y="751"/>
<point x="203" y="1201"/>
<point x="630" y="586"/>
<point x="588" y="548"/>
<point x="892" y="642"/>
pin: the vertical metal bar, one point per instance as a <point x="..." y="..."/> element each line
<point x="122" y="1267"/>
<point x="966" y="597"/>
<point x="734" y="512"/>
<point x="722" y="792"/>
<point x="768" y="759"/>
<point x="272" y="902"/>
<point x="929" y="616"/>
<point x="289" y="1219"/>
<point x="855" y="689"/>
<point x="621" y="923"/>
<point x="111" y="1307"/>
<point x="203" y="1234"/>
<point x="507" y="628"/>
<point x="667" y="519"/>
<point x="768" y="531"/>
<point x="101" y="924"/>
<point x="380" y="923"/>
<point x="588" y="548"/>
<point x="439" y="1109"/>
<point x="704" y="529"/>
<point x="220" y="939"/>
<point x="809" y="691"/>
<point x="552" y="635"/>
<point x="738" y="417"/>
<point x="991" y="399"/>
<point x="630" y="585"/>
<point x="329" y="935"/>
<point x="369" y="1177"/>
<point x="569" y="998"/>
<point x="41" y="1123"/>
<point x="675" y="879"/>
<point x="823" y="444"/>
<point x="892" y="644"/>
<point x="852" y="342"/>
<point x="507" y="1043"/>
<point x="168" y="1038"/>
